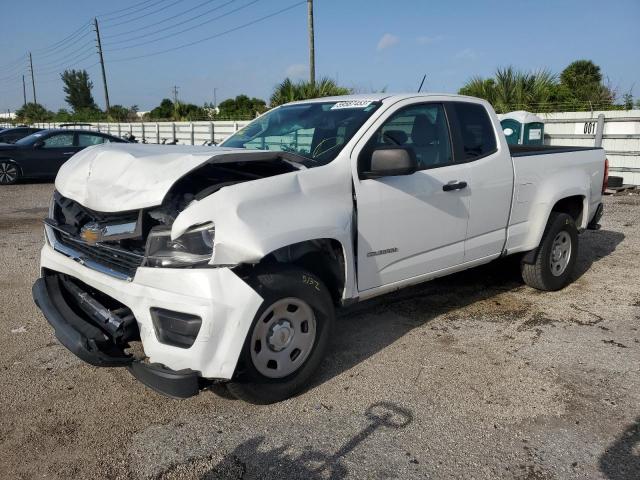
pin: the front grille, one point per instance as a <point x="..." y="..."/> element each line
<point x="116" y="259"/>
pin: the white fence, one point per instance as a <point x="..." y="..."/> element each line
<point x="620" y="139"/>
<point x="621" y="135"/>
<point x="186" y="133"/>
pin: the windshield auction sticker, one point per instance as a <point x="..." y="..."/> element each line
<point x="351" y="104"/>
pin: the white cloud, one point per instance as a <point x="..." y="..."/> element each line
<point x="297" y="70"/>
<point x="426" y="40"/>
<point x="387" y="41"/>
<point x="467" y="54"/>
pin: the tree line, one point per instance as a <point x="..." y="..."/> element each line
<point x="78" y="87"/>
<point x="579" y="87"/>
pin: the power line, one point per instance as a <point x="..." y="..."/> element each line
<point x="115" y="12"/>
<point x="65" y="65"/>
<point x="211" y="37"/>
<point x="172" y="17"/>
<point x="124" y="22"/>
<point x="14" y="64"/>
<point x="242" y="7"/>
<point x="59" y="43"/>
<point x="68" y="55"/>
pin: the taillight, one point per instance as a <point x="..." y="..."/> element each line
<point x="605" y="180"/>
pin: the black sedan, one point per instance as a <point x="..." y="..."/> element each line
<point x="12" y="135"/>
<point x="41" y="154"/>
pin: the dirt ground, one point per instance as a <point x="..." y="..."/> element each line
<point x="472" y="376"/>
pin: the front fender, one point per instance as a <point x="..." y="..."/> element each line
<point x="255" y="218"/>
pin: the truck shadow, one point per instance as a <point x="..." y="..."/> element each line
<point x="366" y="328"/>
<point x="621" y="461"/>
<point x="254" y="458"/>
<point x="594" y="245"/>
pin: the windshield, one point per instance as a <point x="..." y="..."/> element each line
<point x="28" y="140"/>
<point x="315" y="131"/>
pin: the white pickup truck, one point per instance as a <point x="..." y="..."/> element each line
<point x="227" y="263"/>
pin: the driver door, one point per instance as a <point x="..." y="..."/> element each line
<point x="409" y="225"/>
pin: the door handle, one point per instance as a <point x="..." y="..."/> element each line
<point x="454" y="185"/>
<point x="68" y="153"/>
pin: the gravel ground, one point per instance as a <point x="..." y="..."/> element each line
<point x="472" y="376"/>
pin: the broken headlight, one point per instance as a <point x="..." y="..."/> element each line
<point x="193" y="247"/>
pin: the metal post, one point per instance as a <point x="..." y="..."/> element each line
<point x="193" y="134"/>
<point x="157" y="132"/>
<point x="312" y="50"/>
<point x="33" y="80"/>
<point x="24" y="92"/>
<point x="212" y="132"/>
<point x="599" y="131"/>
<point x="173" y="131"/>
<point x="104" y="75"/>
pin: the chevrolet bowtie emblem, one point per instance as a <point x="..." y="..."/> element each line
<point x="91" y="233"/>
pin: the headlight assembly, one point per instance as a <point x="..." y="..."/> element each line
<point x="193" y="247"/>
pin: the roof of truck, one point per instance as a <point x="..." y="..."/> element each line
<point x="380" y="97"/>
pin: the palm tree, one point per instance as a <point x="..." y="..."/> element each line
<point x="513" y="90"/>
<point x="288" y="91"/>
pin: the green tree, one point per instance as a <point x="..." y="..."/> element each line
<point x="78" y="87"/>
<point x="581" y="87"/>
<point x="164" y="111"/>
<point x="513" y="90"/>
<point x="33" y="113"/>
<point x="241" y="107"/>
<point x="118" y="113"/>
<point x="179" y="111"/>
<point x="627" y="101"/>
<point x="289" y="91"/>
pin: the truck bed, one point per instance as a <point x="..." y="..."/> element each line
<point x="527" y="150"/>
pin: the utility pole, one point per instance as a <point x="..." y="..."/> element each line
<point x="104" y="75"/>
<point x="312" y="49"/>
<point x="33" y="81"/>
<point x="175" y="95"/>
<point x="24" y="92"/>
<point x="215" y="98"/>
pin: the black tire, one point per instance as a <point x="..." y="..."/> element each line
<point x="539" y="274"/>
<point x="275" y="283"/>
<point x="9" y="172"/>
<point x="614" y="182"/>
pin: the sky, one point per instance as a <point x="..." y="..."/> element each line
<point x="365" y="45"/>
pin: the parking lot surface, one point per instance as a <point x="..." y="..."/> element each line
<point x="472" y="376"/>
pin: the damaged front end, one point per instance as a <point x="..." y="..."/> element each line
<point x="118" y="243"/>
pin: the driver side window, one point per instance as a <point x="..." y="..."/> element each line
<point x="422" y="129"/>
<point x="61" y="140"/>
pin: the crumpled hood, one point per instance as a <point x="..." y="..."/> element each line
<point x="127" y="176"/>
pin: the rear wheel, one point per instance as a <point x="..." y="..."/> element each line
<point x="288" y="337"/>
<point x="556" y="256"/>
<point x="9" y="172"/>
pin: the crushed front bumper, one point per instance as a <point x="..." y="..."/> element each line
<point x="224" y="302"/>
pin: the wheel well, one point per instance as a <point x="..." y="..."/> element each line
<point x="572" y="206"/>
<point x="323" y="257"/>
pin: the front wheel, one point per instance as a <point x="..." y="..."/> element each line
<point x="556" y="256"/>
<point x="9" y="173"/>
<point x="288" y="336"/>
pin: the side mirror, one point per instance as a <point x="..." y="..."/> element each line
<point x="391" y="161"/>
<point x="38" y="144"/>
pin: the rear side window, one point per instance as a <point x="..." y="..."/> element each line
<point x="87" y="139"/>
<point x="478" y="137"/>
